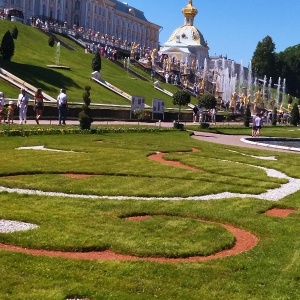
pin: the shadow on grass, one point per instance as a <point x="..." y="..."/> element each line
<point x="35" y="75"/>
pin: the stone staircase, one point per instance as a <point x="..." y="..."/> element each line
<point x="19" y="83"/>
<point x="97" y="78"/>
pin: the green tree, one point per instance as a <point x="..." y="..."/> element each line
<point x="263" y="60"/>
<point x="7" y="48"/>
<point x="96" y="62"/>
<point x="290" y="99"/>
<point x="295" y="115"/>
<point x="207" y="101"/>
<point x="181" y="98"/>
<point x="288" y="67"/>
<point x="15" y="32"/>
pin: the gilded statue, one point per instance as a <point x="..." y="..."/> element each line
<point x="257" y="97"/>
<point x="233" y="100"/>
<point x="242" y="98"/>
<point x="249" y="99"/>
<point x="193" y="64"/>
<point x="202" y="84"/>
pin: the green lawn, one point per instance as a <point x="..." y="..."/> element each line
<point x="119" y="166"/>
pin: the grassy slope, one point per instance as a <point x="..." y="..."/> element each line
<point x="32" y="54"/>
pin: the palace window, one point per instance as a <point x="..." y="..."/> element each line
<point x="76" y="20"/>
<point x="77" y="5"/>
<point x="44" y="10"/>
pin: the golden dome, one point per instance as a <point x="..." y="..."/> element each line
<point x="190" y="10"/>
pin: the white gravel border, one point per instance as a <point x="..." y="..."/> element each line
<point x="7" y="226"/>
<point x="292" y="186"/>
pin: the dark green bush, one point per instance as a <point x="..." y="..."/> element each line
<point x="51" y="41"/>
<point x="15" y="33"/>
<point x="85" y="118"/>
<point x="7" y="48"/>
<point x="295" y="115"/>
<point x="247" y="116"/>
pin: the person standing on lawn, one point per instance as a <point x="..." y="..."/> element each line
<point x="195" y="113"/>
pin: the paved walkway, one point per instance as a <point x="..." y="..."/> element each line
<point x="231" y="140"/>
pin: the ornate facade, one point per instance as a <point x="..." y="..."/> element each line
<point x="110" y="17"/>
<point x="187" y="43"/>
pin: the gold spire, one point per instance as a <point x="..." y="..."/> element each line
<point x="190" y="11"/>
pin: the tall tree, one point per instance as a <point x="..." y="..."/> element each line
<point x="288" y="65"/>
<point x="207" y="101"/>
<point x="96" y="62"/>
<point x="263" y="60"/>
<point x="7" y="48"/>
<point x="181" y="98"/>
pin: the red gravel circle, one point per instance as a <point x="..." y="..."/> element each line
<point x="279" y="212"/>
<point x="245" y="241"/>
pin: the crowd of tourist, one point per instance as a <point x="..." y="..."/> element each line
<point x="7" y="111"/>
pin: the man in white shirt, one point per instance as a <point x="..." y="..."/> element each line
<point x="62" y="105"/>
<point x="23" y="100"/>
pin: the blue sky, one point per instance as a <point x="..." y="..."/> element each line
<point x="231" y="27"/>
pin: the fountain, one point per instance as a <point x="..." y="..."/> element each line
<point x="278" y="91"/>
<point x="57" y="54"/>
<point x="249" y="81"/>
<point x="270" y="88"/>
<point x="57" y="59"/>
<point x="232" y="69"/>
<point x="283" y="90"/>
<point x="264" y="87"/>
<point x="241" y="78"/>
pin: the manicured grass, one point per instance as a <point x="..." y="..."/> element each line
<point x="120" y="166"/>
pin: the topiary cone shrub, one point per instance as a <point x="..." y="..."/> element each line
<point x="274" y="117"/>
<point x="295" y="115"/>
<point x="85" y="118"/>
<point x="247" y="116"/>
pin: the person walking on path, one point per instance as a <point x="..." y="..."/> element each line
<point x="256" y="126"/>
<point x="22" y="104"/>
<point x="195" y="113"/>
<point x="62" y="105"/>
<point x="38" y="104"/>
